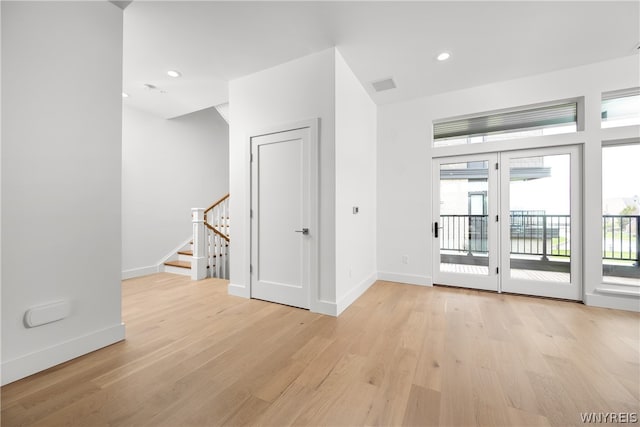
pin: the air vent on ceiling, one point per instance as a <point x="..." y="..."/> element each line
<point x="385" y="84"/>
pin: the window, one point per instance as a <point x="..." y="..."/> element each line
<point x="561" y="117"/>
<point x="621" y="108"/>
<point x="621" y="214"/>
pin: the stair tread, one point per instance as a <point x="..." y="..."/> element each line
<point x="186" y="252"/>
<point x="181" y="264"/>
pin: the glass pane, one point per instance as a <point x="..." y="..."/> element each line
<point x="621" y="214"/>
<point x="540" y="222"/>
<point x="463" y="217"/>
<point x="497" y="126"/>
<point x="623" y="111"/>
<point x="502" y="136"/>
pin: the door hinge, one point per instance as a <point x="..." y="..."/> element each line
<point x="497" y="270"/>
<point x="251" y="157"/>
<point x="497" y="218"/>
<point x="250" y="213"/>
<point x="497" y="166"/>
<point x="250" y="268"/>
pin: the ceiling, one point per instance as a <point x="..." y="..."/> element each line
<point x="213" y="42"/>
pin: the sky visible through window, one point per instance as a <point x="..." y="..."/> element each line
<point x="621" y="179"/>
<point x="549" y="194"/>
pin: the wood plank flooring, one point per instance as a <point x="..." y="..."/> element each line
<point x="400" y="355"/>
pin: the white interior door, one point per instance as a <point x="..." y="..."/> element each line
<point x="465" y="194"/>
<point x="280" y="217"/>
<point x="541" y="194"/>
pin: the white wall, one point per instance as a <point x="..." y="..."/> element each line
<point x="404" y="163"/>
<point x="403" y="200"/>
<point x="61" y="155"/>
<point x="298" y="90"/>
<point x="168" y="167"/>
<point x="356" y="127"/>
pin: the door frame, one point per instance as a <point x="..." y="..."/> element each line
<point x="536" y="288"/>
<point x="501" y="257"/>
<point x="490" y="281"/>
<point x="313" y="126"/>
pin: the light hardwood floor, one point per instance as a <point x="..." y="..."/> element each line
<point x="400" y="355"/>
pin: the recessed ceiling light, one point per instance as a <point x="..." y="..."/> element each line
<point x="174" y="73"/>
<point x="125" y="95"/>
<point x="444" y="56"/>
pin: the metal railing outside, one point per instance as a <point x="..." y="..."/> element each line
<point x="620" y="237"/>
<point x="540" y="234"/>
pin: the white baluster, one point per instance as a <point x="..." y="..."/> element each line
<point x="220" y="258"/>
<point x="211" y="258"/>
<point x="224" y="259"/>
<point x="226" y="216"/>
<point x="198" y="260"/>
<point x="226" y="262"/>
<point x="214" y="251"/>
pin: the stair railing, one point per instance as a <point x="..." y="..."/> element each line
<point x="211" y="240"/>
<point x="217" y="216"/>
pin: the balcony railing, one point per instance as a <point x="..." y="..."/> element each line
<point x="541" y="235"/>
<point x="620" y="237"/>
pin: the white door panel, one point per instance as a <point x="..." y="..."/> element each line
<point x="280" y="210"/>
<point x="464" y="208"/>
<point x="544" y="232"/>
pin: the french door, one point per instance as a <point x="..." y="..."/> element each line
<point x="465" y="232"/>
<point x="509" y="222"/>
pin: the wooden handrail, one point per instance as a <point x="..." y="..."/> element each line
<point x="217" y="203"/>
<point x="224" y="236"/>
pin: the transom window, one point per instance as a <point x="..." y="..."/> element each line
<point x="550" y="119"/>
<point x="621" y="108"/>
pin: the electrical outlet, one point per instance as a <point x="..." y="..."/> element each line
<point x="405" y="259"/>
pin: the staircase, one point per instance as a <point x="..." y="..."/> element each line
<point x="213" y="228"/>
<point x="182" y="265"/>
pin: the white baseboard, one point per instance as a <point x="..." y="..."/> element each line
<point x="29" y="364"/>
<point x="411" y="279"/>
<point x="238" y="290"/>
<point x="327" y="308"/>
<point x="355" y="293"/>
<point x="137" y="272"/>
<point x="157" y="268"/>
<point x="618" y="302"/>
<point x="174" y="253"/>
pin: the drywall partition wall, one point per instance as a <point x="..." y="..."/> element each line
<point x="356" y="128"/>
<point x="403" y="200"/>
<point x="168" y="167"/>
<point x="404" y="162"/>
<point x="302" y="89"/>
<point x="61" y="157"/>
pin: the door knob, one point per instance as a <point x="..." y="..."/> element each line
<point x="303" y="231"/>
